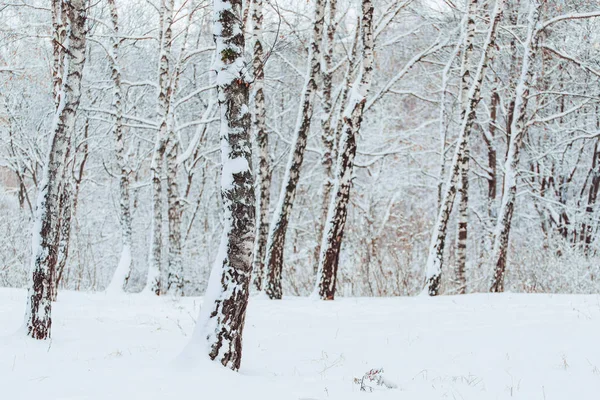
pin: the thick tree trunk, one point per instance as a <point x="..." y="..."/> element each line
<point x="263" y="175"/>
<point x="121" y="275"/>
<point x="221" y="321"/>
<point x="463" y="192"/>
<point x="438" y="240"/>
<point x="45" y="232"/>
<point x="338" y="208"/>
<point x="518" y="129"/>
<point x="279" y="224"/>
<point x="154" y="284"/>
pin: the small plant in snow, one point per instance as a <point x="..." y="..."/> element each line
<point x="373" y="379"/>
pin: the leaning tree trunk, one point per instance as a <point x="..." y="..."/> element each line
<point x="153" y="282"/>
<point x="38" y="318"/>
<point x="463" y="191"/>
<point x="338" y="208"/>
<point x="438" y="239"/>
<point x="278" y="229"/>
<point x="221" y="321"/>
<point x="518" y="128"/>
<point x="262" y="140"/>
<point x="121" y="275"/>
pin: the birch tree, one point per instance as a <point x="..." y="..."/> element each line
<point x="263" y="176"/>
<point x="438" y="240"/>
<point x="157" y="167"/>
<point x="463" y="191"/>
<point x="518" y="130"/>
<point x="121" y="275"/>
<point x="38" y="317"/>
<point x="338" y="208"/>
<point x="221" y="322"/>
<point x="281" y="216"/>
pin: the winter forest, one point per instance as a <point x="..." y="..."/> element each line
<point x="177" y="174"/>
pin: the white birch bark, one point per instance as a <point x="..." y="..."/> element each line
<point x="221" y="322"/>
<point x="123" y="270"/>
<point x="263" y="175"/>
<point x="467" y="69"/>
<point x="518" y="129"/>
<point x="283" y="209"/>
<point x="153" y="283"/>
<point x="438" y="239"/>
<point x="338" y="208"/>
<point x="38" y="318"/>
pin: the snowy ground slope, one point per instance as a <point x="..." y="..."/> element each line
<point x="476" y="347"/>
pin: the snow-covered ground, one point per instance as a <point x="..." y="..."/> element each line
<point x="476" y="347"/>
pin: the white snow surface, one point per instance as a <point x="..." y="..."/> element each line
<point x="475" y="347"/>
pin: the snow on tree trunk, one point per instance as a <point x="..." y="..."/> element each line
<point x="338" y="208"/>
<point x="327" y="131"/>
<point x="38" y="318"/>
<point x="438" y="240"/>
<point x="518" y="129"/>
<point x="463" y="192"/>
<point x="175" y="264"/>
<point x="175" y="275"/>
<point x="283" y="209"/>
<point x="263" y="176"/>
<point x="153" y="283"/>
<point x="444" y="121"/>
<point x="59" y="28"/>
<point x="221" y="321"/>
<point x="121" y="274"/>
<point x="64" y="229"/>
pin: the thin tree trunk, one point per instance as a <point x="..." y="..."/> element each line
<point x="175" y="275"/>
<point x="38" y="317"/>
<point x="69" y="201"/>
<point x="175" y="278"/>
<point x="279" y="224"/>
<point x="164" y="94"/>
<point x="327" y="132"/>
<point x="463" y="191"/>
<point x="518" y="128"/>
<point x="221" y="321"/>
<point x="444" y="122"/>
<point x="338" y="208"/>
<point x="438" y="240"/>
<point x="263" y="176"/>
<point x="121" y="274"/>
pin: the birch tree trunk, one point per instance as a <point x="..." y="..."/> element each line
<point x="463" y="192"/>
<point x="263" y="176"/>
<point x="38" y="319"/>
<point x="518" y="129"/>
<point x="175" y="279"/>
<point x="221" y="321"/>
<point x="279" y="224"/>
<point x="327" y="132"/>
<point x="438" y="239"/>
<point x="444" y="122"/>
<point x="164" y="94"/>
<point x="175" y="276"/>
<point x="121" y="274"/>
<point x="338" y="208"/>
